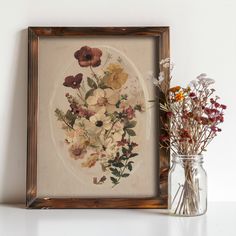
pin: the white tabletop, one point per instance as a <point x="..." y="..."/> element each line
<point x="220" y="220"/>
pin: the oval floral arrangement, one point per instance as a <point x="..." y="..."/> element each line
<point x="100" y="122"/>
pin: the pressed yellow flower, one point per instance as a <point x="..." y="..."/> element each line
<point x="175" y="89"/>
<point x="179" y="96"/>
<point x="116" y="77"/>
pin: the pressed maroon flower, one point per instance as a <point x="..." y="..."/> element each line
<point x="204" y="120"/>
<point x="123" y="142"/>
<point x="164" y="138"/>
<point x="212" y="100"/>
<point x="220" y="118"/>
<point x="87" y="56"/>
<point x="216" y="104"/>
<point x="212" y="119"/>
<point x="215" y="129"/>
<point x="133" y="144"/>
<point x="223" y="106"/>
<point x="192" y="94"/>
<point x="169" y="114"/>
<point x="73" y="81"/>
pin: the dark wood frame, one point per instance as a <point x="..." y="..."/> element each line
<point x="34" y="34"/>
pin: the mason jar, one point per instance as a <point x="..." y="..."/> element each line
<point x="187" y="186"/>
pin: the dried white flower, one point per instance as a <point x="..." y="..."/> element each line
<point x="155" y="81"/>
<point x="166" y="60"/>
<point x="193" y="83"/>
<point x="161" y="76"/>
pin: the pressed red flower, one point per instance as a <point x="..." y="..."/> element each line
<point x="204" y="120"/>
<point x="192" y="94"/>
<point x="223" y="106"/>
<point x="212" y="101"/>
<point x="87" y="56"/>
<point x="73" y="81"/>
<point x="184" y="134"/>
<point x="220" y="118"/>
<point x="169" y="114"/>
<point x="164" y="138"/>
<point x="215" y="129"/>
<point x="212" y="119"/>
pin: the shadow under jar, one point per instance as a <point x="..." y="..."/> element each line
<point x="187" y="183"/>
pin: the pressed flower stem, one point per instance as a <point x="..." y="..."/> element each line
<point x="94" y="74"/>
<point x="67" y="123"/>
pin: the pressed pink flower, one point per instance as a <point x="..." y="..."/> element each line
<point x="129" y="112"/>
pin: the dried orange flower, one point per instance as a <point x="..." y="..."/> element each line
<point x="175" y="89"/>
<point x="179" y="96"/>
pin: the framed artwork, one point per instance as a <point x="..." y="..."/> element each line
<point x="93" y="134"/>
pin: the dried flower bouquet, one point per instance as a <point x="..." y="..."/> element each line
<point x="192" y="121"/>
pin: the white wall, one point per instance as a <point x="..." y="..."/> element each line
<point x="203" y="39"/>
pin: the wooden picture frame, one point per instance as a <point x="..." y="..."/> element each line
<point x="161" y="35"/>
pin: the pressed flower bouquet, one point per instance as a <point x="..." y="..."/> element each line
<point x="101" y="119"/>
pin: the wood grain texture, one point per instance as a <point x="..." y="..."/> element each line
<point x="161" y="35"/>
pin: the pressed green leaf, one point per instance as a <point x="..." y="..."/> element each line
<point x="60" y="114"/>
<point x="118" y="164"/>
<point x="124" y="150"/>
<point x="70" y="117"/>
<point x="114" y="180"/>
<point x="89" y="93"/>
<point x="130" y="132"/>
<point x="130" y="166"/>
<point x="133" y="155"/>
<point x="125" y="175"/>
<point x="131" y="124"/>
<point x="116" y="172"/>
<point x="91" y="83"/>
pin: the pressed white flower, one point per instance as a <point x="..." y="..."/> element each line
<point x="103" y="98"/>
<point x="101" y="121"/>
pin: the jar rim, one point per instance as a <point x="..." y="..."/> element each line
<point x="181" y="157"/>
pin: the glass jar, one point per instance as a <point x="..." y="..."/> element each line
<point x="187" y="186"/>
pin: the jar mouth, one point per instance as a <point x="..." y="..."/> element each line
<point x="191" y="158"/>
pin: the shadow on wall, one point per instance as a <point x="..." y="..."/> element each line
<point x="14" y="180"/>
